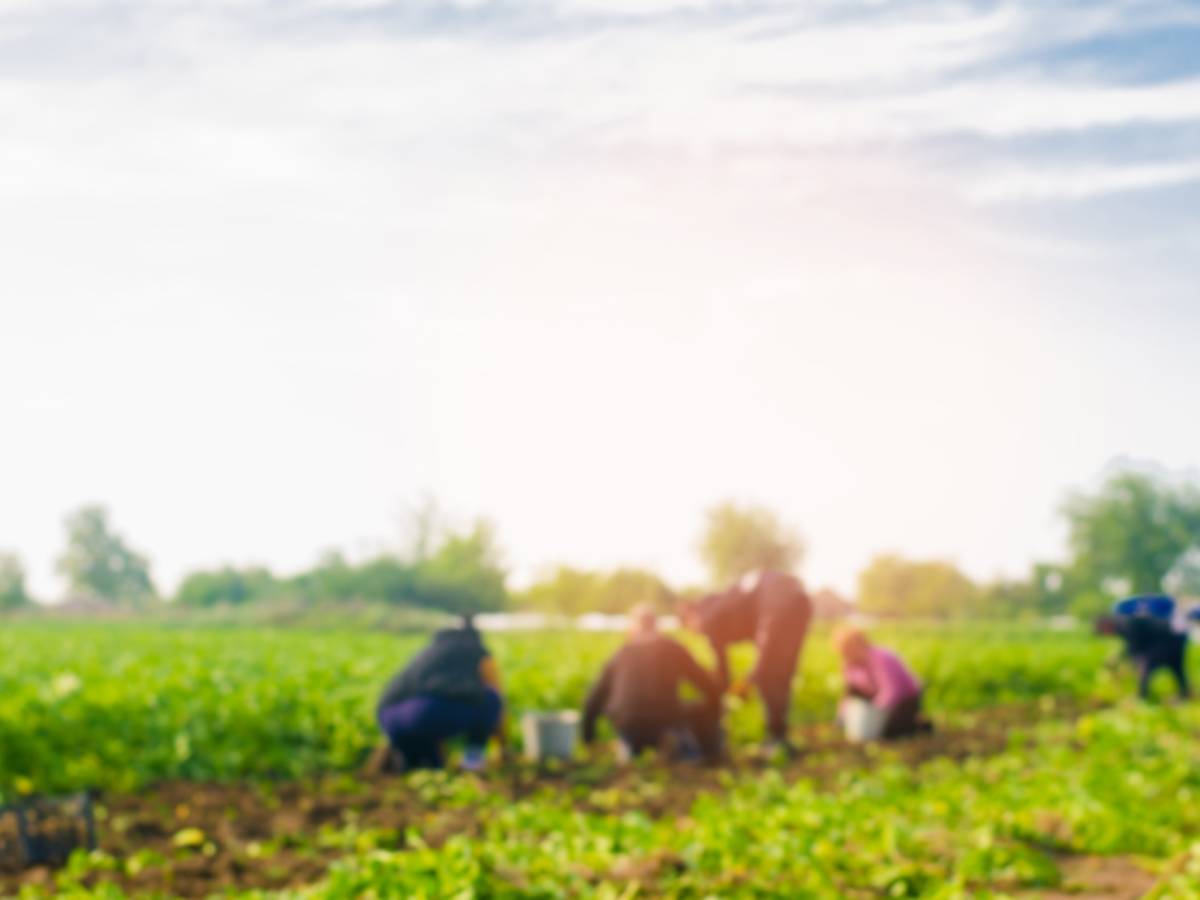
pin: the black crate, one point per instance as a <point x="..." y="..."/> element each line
<point x="44" y="831"/>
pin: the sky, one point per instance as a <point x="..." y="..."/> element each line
<point x="904" y="272"/>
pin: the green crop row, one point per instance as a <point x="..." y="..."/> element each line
<point x="115" y="706"/>
<point x="1121" y="783"/>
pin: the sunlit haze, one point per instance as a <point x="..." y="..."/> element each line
<point x="905" y="273"/>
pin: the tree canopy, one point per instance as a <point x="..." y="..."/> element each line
<point x="98" y="563"/>
<point x="892" y="585"/>
<point x="459" y="573"/>
<point x="572" y="592"/>
<point x="1129" y="534"/>
<point x="225" y="586"/>
<point x="739" y="539"/>
<point x="12" y="583"/>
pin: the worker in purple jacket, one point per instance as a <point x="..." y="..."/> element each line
<point x="878" y="675"/>
<point x="772" y="610"/>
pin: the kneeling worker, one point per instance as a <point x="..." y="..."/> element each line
<point x="450" y="690"/>
<point x="638" y="692"/>
<point x="878" y="675"/>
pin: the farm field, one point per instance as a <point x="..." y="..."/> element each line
<point x="229" y="761"/>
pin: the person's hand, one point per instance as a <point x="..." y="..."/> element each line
<point x="740" y="688"/>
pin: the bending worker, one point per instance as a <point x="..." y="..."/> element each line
<point x="1152" y="640"/>
<point x="450" y="690"/>
<point x="772" y="610"/>
<point x="638" y="691"/>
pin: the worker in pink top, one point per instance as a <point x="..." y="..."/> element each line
<point x="877" y="674"/>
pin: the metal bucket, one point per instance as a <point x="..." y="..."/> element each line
<point x="550" y="735"/>
<point x="862" y="720"/>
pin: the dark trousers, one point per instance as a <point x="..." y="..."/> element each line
<point x="904" y="718"/>
<point x="696" y="732"/>
<point x="417" y="727"/>
<point x="1172" y="656"/>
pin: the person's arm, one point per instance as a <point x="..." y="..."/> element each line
<point x="859" y="682"/>
<point x="888" y="675"/>
<point x="596" y="700"/>
<point x="696" y="675"/>
<point x="721" y="652"/>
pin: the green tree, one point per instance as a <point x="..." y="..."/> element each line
<point x="1129" y="534"/>
<point x="625" y="588"/>
<point x="98" y="563"/>
<point x="228" y="586"/>
<point x="12" y="583"/>
<point x="1184" y="577"/>
<point x="1048" y="590"/>
<point x="464" y="574"/>
<point x="740" y="539"/>
<point x="573" y="592"/>
<point x="566" y="590"/>
<point x="333" y="578"/>
<point x="892" y="585"/>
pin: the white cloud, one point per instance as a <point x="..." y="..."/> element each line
<point x="343" y="248"/>
<point x="1081" y="182"/>
<point x="222" y="103"/>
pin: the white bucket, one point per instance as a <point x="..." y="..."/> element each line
<point x="550" y="735"/>
<point x="862" y="719"/>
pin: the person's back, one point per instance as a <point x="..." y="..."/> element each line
<point x="728" y="617"/>
<point x="647" y="674"/>
<point x="448" y="668"/>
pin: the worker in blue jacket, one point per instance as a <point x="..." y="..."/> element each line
<point x="1152" y="640"/>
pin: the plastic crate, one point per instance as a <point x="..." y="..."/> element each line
<point x="44" y="831"/>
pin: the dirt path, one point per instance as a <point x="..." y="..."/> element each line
<point x="1100" y="878"/>
<point x="193" y="840"/>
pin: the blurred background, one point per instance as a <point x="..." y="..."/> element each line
<point x="453" y="304"/>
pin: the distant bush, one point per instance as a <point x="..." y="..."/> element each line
<point x="462" y="575"/>
<point x="12" y="583"/>
<point x="573" y="592"/>
<point x="227" y="586"/>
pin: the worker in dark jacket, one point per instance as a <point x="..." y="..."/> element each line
<point x="1152" y="641"/>
<point x="450" y="690"/>
<point x="772" y="610"/>
<point x="638" y="692"/>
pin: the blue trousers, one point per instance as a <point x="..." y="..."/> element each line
<point x="417" y="727"/>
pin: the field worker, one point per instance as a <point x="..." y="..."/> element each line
<point x="1153" y="640"/>
<point x="638" y="692"/>
<point x="878" y="675"/>
<point x="450" y="690"/>
<point x="772" y="610"/>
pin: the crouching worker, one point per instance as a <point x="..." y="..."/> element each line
<point x="1152" y="639"/>
<point x="878" y="675"/>
<point x="450" y="690"/>
<point x="638" y="692"/>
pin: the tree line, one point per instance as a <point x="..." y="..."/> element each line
<point x="1138" y="532"/>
